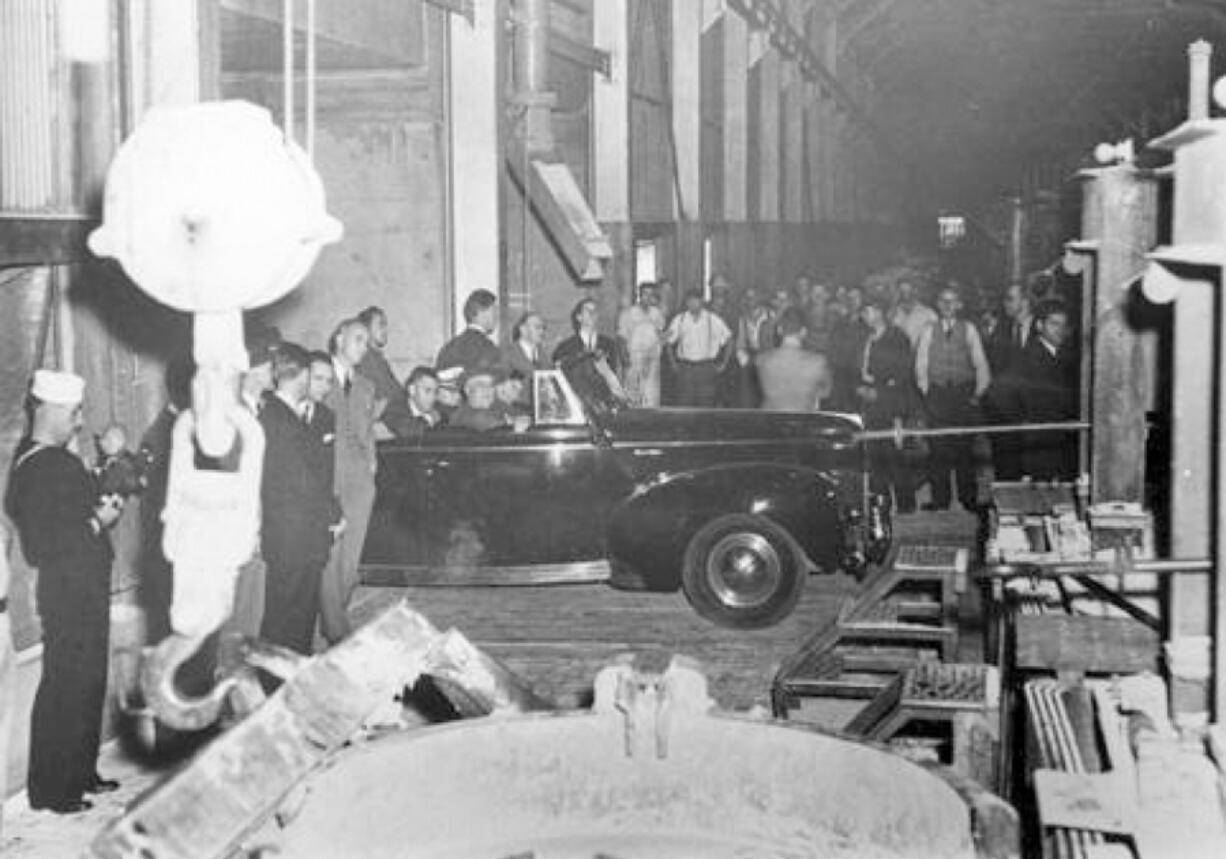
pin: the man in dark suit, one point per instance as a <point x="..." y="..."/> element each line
<point x="1005" y="348"/>
<point x="300" y="513"/>
<point x="321" y="379"/>
<point x="584" y="319"/>
<point x="1047" y="387"/>
<point x="887" y="396"/>
<point x="474" y="347"/>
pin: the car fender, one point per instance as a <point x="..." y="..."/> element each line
<point x="648" y="532"/>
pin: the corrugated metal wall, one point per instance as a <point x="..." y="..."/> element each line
<point x="31" y="104"/>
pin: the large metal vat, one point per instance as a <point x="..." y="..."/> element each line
<point x="649" y="772"/>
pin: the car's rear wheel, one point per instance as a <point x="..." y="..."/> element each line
<point x="742" y="571"/>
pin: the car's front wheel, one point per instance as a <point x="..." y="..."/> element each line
<point x="742" y="571"/>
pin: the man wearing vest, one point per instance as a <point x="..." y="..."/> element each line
<point x="952" y="373"/>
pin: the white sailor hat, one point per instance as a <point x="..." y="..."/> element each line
<point x="53" y="386"/>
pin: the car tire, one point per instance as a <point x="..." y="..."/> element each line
<point x="742" y="571"/>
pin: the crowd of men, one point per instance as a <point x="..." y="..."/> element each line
<point x="886" y="354"/>
<point x="881" y="352"/>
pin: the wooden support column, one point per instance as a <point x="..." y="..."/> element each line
<point x="611" y="113"/>
<point x="813" y="152"/>
<point x="687" y="108"/>
<point x="792" y="176"/>
<point x="827" y="136"/>
<point x="1119" y="211"/>
<point x="473" y="100"/>
<point x="834" y="162"/>
<point x="768" y="71"/>
<point x="687" y="19"/>
<point x="736" y="128"/>
<point x="611" y="142"/>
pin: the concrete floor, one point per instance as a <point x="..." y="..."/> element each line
<point x="556" y="638"/>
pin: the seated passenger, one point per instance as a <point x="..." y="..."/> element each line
<point x="511" y="398"/>
<point x="422" y="393"/>
<point x="449" y="396"/>
<point x="477" y="410"/>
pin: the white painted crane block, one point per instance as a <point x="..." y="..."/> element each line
<point x="209" y="208"/>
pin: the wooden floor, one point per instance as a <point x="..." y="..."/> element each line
<point x="558" y="637"/>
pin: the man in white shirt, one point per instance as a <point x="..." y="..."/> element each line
<point x="641" y="327"/>
<point x="952" y="373"/>
<point x="911" y="314"/>
<point x="699" y="342"/>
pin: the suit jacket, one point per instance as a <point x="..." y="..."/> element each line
<point x="514" y="358"/>
<point x="607" y="347"/>
<point x="355" y="437"/>
<point x="470" y="349"/>
<point x="893" y="379"/>
<point x="1047" y="383"/>
<point x="295" y="494"/>
<point x="414" y="426"/>
<point x="375" y="367"/>
<point x="323" y="427"/>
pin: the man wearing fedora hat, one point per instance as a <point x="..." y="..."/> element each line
<point x="63" y="524"/>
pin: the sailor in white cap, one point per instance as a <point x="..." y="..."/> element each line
<point x="54" y="503"/>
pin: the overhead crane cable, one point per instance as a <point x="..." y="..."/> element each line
<point x="287" y="67"/>
<point x="310" y="80"/>
<point x="310" y="76"/>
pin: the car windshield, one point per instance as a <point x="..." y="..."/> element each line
<point x="596" y="386"/>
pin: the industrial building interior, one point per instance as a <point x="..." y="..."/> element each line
<point x="1038" y="671"/>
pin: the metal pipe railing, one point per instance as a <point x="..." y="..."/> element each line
<point x="900" y="433"/>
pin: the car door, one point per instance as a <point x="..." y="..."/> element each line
<point x="395" y="543"/>
<point x="484" y="494"/>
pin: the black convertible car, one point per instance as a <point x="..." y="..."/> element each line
<point x="735" y="507"/>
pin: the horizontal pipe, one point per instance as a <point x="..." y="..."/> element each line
<point x="1043" y="570"/>
<point x="982" y="429"/>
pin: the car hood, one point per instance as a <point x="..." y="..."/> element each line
<point x="698" y="425"/>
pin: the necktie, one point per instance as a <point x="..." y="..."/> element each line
<point x="307" y="412"/>
<point x="1017" y="335"/>
<point x="348" y="384"/>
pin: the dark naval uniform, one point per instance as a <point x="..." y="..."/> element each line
<point x="52" y="499"/>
